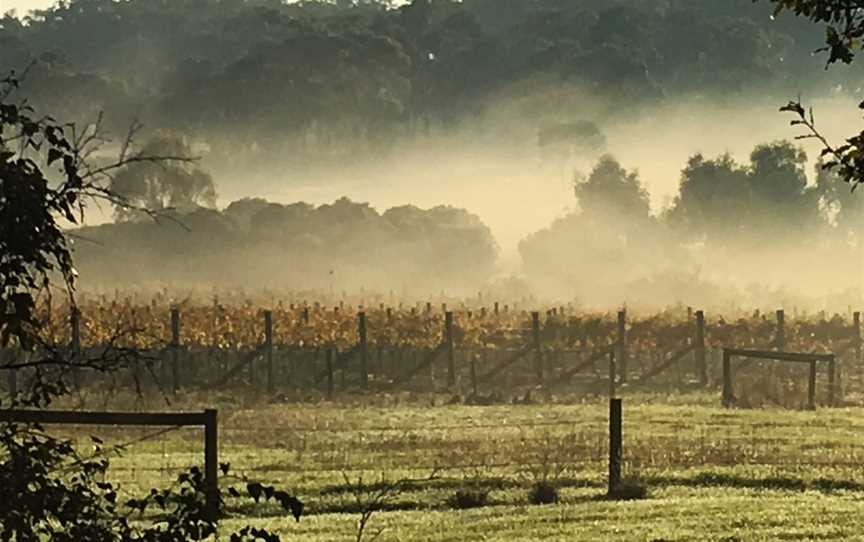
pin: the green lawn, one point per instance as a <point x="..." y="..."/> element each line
<point x="713" y="474"/>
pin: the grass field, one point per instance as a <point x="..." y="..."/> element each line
<point x="712" y="474"/>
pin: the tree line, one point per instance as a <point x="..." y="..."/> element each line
<point x="759" y="222"/>
<point x="327" y="79"/>
<point x="297" y="246"/>
<point x="728" y="217"/>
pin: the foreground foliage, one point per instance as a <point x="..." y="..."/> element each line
<point x="48" y="489"/>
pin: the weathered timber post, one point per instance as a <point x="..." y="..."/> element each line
<point x="701" y="363"/>
<point x="175" y="349"/>
<point x="622" y="344"/>
<point x="448" y="338"/>
<point x="780" y="341"/>
<point x="615" y="444"/>
<point x="538" y="351"/>
<point x="832" y="392"/>
<point x="211" y="462"/>
<point x="811" y="387"/>
<point x="379" y="361"/>
<point x="268" y="348"/>
<point x="474" y="374"/>
<point x="330" y="373"/>
<point x="727" y="397"/>
<point x="856" y="322"/>
<point x="364" y="349"/>
<point x="306" y="315"/>
<point x="612" y="373"/>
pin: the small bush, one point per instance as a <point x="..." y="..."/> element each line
<point x="630" y="489"/>
<point x="543" y="493"/>
<point x="469" y="498"/>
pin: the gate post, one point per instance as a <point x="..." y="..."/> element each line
<point x="727" y="398"/>
<point x="701" y="364"/>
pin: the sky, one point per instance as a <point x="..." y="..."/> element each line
<point x="23" y="6"/>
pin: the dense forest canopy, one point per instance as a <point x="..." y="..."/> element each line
<point x="328" y="79"/>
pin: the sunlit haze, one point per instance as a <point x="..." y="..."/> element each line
<point x="23" y="6"/>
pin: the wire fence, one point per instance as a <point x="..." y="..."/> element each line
<point x="664" y="444"/>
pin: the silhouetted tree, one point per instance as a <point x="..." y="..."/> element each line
<point x="610" y="192"/>
<point x="157" y="186"/>
<point x="611" y="240"/>
<point x="714" y="199"/>
<point x="723" y="202"/>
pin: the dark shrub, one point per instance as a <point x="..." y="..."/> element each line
<point x="630" y="489"/>
<point x="469" y="498"/>
<point x="543" y="493"/>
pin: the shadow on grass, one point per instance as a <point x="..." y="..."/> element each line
<point x="784" y="483"/>
<point x="415" y="493"/>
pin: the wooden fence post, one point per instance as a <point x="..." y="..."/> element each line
<point x="211" y="462"/>
<point x="615" y="444"/>
<point x="622" y="344"/>
<point x="268" y="348"/>
<point x="856" y="322"/>
<point x="612" y="375"/>
<point x="75" y="323"/>
<point x="726" y="399"/>
<point x="781" y="330"/>
<point x="364" y="350"/>
<point x="496" y="308"/>
<point x="306" y="316"/>
<point x="330" y="373"/>
<point x="253" y="376"/>
<point x="474" y="375"/>
<point x="831" y="382"/>
<point x="811" y="387"/>
<point x="175" y="349"/>
<point x="538" y="351"/>
<point x="448" y="338"/>
<point x="701" y="364"/>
